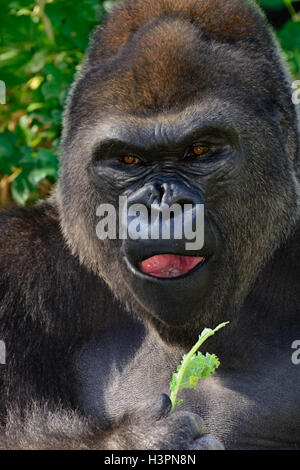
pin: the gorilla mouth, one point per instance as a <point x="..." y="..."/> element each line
<point x="170" y="266"/>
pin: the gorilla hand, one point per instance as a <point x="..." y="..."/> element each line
<point x="155" y="429"/>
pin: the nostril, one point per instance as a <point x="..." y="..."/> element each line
<point x="160" y="194"/>
<point x="180" y="194"/>
<point x="161" y="190"/>
<point x="154" y="195"/>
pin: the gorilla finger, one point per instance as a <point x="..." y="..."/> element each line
<point x="161" y="409"/>
<point x="208" y="442"/>
<point x="193" y="423"/>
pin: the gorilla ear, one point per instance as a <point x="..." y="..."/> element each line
<point x="222" y="20"/>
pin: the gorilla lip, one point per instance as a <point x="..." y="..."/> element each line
<point x="170" y="266"/>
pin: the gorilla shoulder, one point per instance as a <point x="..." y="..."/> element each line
<point x="31" y="241"/>
<point x="39" y="276"/>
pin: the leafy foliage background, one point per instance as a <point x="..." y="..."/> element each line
<point x="41" y="46"/>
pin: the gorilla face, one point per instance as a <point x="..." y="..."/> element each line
<point x="214" y="143"/>
<point x="170" y="161"/>
<point x="243" y="219"/>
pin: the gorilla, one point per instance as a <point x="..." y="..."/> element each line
<point x="177" y="102"/>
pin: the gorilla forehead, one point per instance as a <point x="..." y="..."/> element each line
<point x="168" y="129"/>
<point x="146" y="78"/>
<point x="153" y="55"/>
<point x="167" y="64"/>
<point x="210" y="118"/>
<point x="211" y="111"/>
<point x="161" y="59"/>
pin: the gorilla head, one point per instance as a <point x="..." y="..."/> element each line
<point x="176" y="103"/>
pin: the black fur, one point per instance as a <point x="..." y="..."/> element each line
<point x="89" y="350"/>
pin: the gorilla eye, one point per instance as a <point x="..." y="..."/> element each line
<point x="130" y="160"/>
<point x="199" y="150"/>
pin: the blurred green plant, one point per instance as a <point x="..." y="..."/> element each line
<point x="289" y="34"/>
<point x="41" y="46"/>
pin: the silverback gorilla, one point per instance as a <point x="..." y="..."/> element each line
<point x="184" y="101"/>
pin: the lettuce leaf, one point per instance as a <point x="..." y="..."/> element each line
<point x="194" y="366"/>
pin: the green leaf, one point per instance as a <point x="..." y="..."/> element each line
<point x="272" y="4"/>
<point x="38" y="175"/>
<point x="7" y="144"/>
<point x="37" y="62"/>
<point x="194" y="367"/>
<point x="20" y="190"/>
<point x="48" y="157"/>
<point x="289" y="35"/>
<point x="5" y="166"/>
<point x="109" y="5"/>
<point x="34" y="106"/>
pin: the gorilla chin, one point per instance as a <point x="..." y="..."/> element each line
<point x="168" y="282"/>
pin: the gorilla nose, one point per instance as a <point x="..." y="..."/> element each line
<point x="174" y="193"/>
<point x="166" y="193"/>
<point x="169" y="219"/>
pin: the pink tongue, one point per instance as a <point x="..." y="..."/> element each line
<point x="168" y="266"/>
